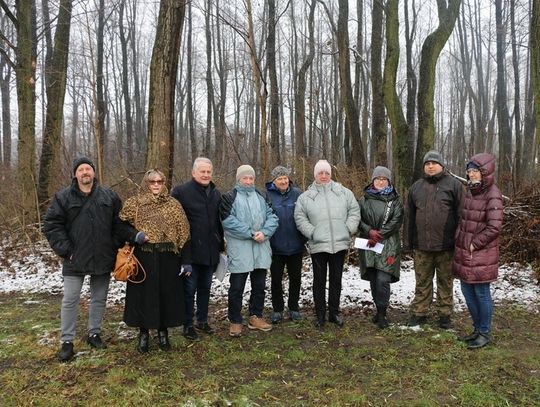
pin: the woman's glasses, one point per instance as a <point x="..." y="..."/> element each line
<point x="156" y="181"/>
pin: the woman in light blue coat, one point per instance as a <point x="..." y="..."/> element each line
<point x="328" y="215"/>
<point x="248" y="224"/>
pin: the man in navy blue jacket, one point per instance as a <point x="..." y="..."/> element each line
<point x="200" y="200"/>
<point x="287" y="244"/>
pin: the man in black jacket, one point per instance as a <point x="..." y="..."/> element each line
<point x="433" y="207"/>
<point x="200" y="200"/>
<point x="82" y="227"/>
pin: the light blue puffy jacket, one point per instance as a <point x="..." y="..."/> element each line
<point x="244" y="211"/>
<point x="328" y="215"/>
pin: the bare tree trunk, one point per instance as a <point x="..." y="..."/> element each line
<point x="529" y="153"/>
<point x="260" y="90"/>
<point x="56" y="72"/>
<point x="378" y="122"/>
<point x="274" y="90"/>
<point x="101" y="108"/>
<point x="163" y="70"/>
<point x="220" y="105"/>
<point x="139" y="122"/>
<point x="431" y="50"/>
<point x="407" y="168"/>
<point x="518" y="158"/>
<point x="400" y="128"/>
<point x="125" y="86"/>
<point x="300" y="97"/>
<point x="189" y="88"/>
<point x="503" y="120"/>
<point x="352" y="127"/>
<point x="5" y="78"/>
<point x="535" y="69"/>
<point x="25" y="73"/>
<point x="209" y="82"/>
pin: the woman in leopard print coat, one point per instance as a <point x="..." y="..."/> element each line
<point x="158" y="302"/>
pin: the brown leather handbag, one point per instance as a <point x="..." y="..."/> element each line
<point x="128" y="267"/>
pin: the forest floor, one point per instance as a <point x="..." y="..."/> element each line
<point x="294" y="365"/>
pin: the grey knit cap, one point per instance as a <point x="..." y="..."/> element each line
<point x="381" y="171"/>
<point x="434" y="156"/>
<point x="280" y="171"/>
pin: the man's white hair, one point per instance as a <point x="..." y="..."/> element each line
<point x="201" y="160"/>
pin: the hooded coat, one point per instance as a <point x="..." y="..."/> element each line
<point x="480" y="225"/>
<point x="327" y="215"/>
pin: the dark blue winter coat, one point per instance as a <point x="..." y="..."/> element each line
<point x="287" y="239"/>
<point x="202" y="210"/>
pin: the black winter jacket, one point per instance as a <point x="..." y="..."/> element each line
<point x="433" y="208"/>
<point x="86" y="239"/>
<point x="202" y="210"/>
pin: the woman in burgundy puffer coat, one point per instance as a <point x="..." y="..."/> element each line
<point x="476" y="256"/>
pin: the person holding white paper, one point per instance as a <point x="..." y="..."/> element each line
<point x="381" y="218"/>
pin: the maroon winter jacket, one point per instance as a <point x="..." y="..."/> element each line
<point x="480" y="224"/>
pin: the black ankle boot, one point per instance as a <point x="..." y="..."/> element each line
<point x="144" y="339"/>
<point x="163" y="340"/>
<point x="382" y="322"/>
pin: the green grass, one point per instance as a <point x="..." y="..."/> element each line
<point x="294" y="365"/>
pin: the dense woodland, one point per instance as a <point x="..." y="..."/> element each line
<point x="137" y="84"/>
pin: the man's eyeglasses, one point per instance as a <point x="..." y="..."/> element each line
<point x="380" y="179"/>
<point x="156" y="181"/>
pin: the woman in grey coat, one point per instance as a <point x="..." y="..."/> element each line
<point x="327" y="214"/>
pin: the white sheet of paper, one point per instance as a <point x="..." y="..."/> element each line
<point x="360" y="243"/>
<point x="221" y="269"/>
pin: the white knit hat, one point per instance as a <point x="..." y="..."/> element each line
<point x="244" y="170"/>
<point x="322" y="166"/>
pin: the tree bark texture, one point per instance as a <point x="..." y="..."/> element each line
<point x="352" y="126"/>
<point x="431" y="49"/>
<point x="535" y="68"/>
<point x="378" y="117"/>
<point x="163" y="70"/>
<point x="26" y="97"/>
<point x="503" y="119"/>
<point x="402" y="167"/>
<point x="56" y="71"/>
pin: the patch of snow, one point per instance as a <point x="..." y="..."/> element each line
<point x="39" y="272"/>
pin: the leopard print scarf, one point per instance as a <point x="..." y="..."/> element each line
<point x="160" y="217"/>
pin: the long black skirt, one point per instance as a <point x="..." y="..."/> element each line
<point x="158" y="302"/>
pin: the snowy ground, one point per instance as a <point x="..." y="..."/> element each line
<point x="35" y="269"/>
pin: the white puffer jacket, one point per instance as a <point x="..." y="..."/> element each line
<point x="328" y="215"/>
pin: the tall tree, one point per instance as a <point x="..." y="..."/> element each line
<point x="125" y="82"/>
<point x="535" y="69"/>
<point x="274" y="90"/>
<point x="378" y="122"/>
<point x="431" y="50"/>
<point x="503" y="120"/>
<point x="260" y="90"/>
<point x="400" y="128"/>
<point x="300" y="96"/>
<point x="25" y="73"/>
<point x="163" y="70"/>
<point x="6" y="69"/>
<point x="55" y="73"/>
<point x="352" y="126"/>
<point x="100" y="105"/>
